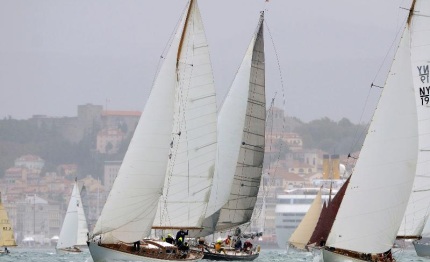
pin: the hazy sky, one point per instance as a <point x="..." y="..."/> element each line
<point x="57" y="54"/>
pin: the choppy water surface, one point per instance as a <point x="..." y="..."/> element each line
<point x="275" y="255"/>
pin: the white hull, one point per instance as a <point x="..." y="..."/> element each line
<point x="102" y="254"/>
<point x="329" y="256"/>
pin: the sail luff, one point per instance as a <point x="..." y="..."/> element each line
<point x="417" y="212"/>
<point x="376" y="198"/>
<point x="193" y="143"/>
<point x="131" y="206"/>
<point x="300" y="237"/>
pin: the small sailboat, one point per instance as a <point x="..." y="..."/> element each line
<point x="301" y="236"/>
<point x="165" y="178"/>
<point x="417" y="212"/>
<point x="74" y="229"/>
<point x="241" y="132"/>
<point x="375" y="201"/>
<point x="7" y="238"/>
<point x="326" y="218"/>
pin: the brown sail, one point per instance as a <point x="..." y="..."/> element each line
<point x="326" y="220"/>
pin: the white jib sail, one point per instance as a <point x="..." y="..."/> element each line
<point x="132" y="202"/>
<point x="305" y="229"/>
<point x="376" y="198"/>
<point x="417" y="212"/>
<point x="193" y="144"/>
<point x="241" y="139"/>
<point x="74" y="229"/>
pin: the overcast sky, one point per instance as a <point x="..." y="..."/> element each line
<point x="57" y="54"/>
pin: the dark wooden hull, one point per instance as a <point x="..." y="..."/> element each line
<point x="222" y="257"/>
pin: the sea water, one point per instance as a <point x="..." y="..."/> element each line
<point x="275" y="255"/>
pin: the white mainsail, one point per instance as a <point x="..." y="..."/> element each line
<point x="193" y="146"/>
<point x="304" y="230"/>
<point x="74" y="229"/>
<point x="7" y="238"/>
<point x="417" y="212"/>
<point x="241" y="130"/>
<point x="375" y="200"/>
<point x="176" y="135"/>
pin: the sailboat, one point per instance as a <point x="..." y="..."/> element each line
<point x="375" y="201"/>
<point x="7" y="238"/>
<point x="241" y="132"/>
<point x="326" y="218"/>
<point x="417" y="212"/>
<point x="74" y="229"/>
<point x="165" y="178"/>
<point x="301" y="236"/>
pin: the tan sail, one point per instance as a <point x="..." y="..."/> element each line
<point x="300" y="237"/>
<point x="7" y="238"/>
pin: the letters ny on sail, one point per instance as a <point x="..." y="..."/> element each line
<point x="423" y="74"/>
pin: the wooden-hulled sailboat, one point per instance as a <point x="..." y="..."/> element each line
<point x="301" y="236"/>
<point x="375" y="201"/>
<point x="74" y="229"/>
<point x="7" y="238"/>
<point x="165" y="178"/>
<point x="417" y="212"/>
<point x="241" y="133"/>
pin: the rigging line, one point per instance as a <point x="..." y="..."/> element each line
<point x="168" y="44"/>
<point x="354" y="144"/>
<point x="282" y="86"/>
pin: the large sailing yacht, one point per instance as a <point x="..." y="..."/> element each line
<point x="166" y="175"/>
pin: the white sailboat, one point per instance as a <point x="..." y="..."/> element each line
<point x="7" y="238"/>
<point x="375" y="201"/>
<point x="74" y="229"/>
<point x="241" y="141"/>
<point x="417" y="212"/>
<point x="166" y="175"/>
